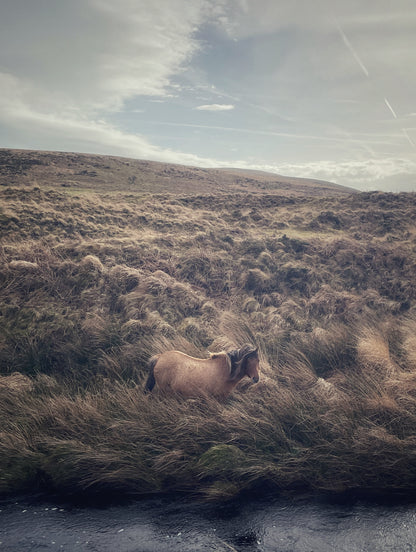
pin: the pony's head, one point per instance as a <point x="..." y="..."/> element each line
<point x="251" y="365"/>
<point x="245" y="362"/>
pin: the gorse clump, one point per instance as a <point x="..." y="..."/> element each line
<point x="92" y="286"/>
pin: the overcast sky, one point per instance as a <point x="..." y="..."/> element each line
<point x="323" y="89"/>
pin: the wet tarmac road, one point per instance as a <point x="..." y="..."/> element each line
<point x="176" y="524"/>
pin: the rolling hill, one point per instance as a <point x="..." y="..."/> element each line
<point x="103" y="173"/>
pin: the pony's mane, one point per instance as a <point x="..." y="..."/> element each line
<point x="223" y="355"/>
<point x="238" y="359"/>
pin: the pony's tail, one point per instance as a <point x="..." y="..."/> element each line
<point x="151" y="382"/>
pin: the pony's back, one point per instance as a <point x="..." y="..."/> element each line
<point x="177" y="372"/>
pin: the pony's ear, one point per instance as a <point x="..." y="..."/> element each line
<point x="254" y="352"/>
<point x="250" y="354"/>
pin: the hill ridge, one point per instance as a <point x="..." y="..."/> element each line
<point x="110" y="173"/>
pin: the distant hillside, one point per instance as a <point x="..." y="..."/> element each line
<point x="108" y="173"/>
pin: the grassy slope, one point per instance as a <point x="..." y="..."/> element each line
<point x="82" y="172"/>
<point x="92" y="285"/>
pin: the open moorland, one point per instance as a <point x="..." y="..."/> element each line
<point x="95" y="279"/>
<point x="83" y="172"/>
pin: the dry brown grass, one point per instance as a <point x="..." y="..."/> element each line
<point x="373" y="353"/>
<point x="91" y="287"/>
<point x="293" y="428"/>
<point x="80" y="172"/>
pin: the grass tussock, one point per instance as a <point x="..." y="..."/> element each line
<point x="91" y="287"/>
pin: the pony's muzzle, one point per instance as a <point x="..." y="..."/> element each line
<point x="255" y="379"/>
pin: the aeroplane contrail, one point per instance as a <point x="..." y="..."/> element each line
<point x="366" y="73"/>
<point x="351" y="48"/>
<point x="411" y="142"/>
<point x="386" y="101"/>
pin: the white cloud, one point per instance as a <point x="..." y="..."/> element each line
<point x="215" y="107"/>
<point x="383" y="173"/>
<point x="119" y="50"/>
<point x="59" y="87"/>
<point x="74" y="131"/>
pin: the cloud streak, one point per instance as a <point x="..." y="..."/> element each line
<point x="331" y="137"/>
<point x="352" y="50"/>
<point x="387" y="174"/>
<point x="123" y="51"/>
<point x="388" y="104"/>
<point x="215" y="107"/>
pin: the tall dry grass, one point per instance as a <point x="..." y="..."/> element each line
<point x="346" y="431"/>
<point x="91" y="287"/>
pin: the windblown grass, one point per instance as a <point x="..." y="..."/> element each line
<point x="92" y="286"/>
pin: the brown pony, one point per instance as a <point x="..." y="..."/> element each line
<point x="176" y="372"/>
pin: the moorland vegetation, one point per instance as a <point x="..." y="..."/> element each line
<point x="92" y="285"/>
